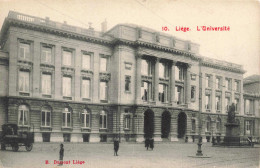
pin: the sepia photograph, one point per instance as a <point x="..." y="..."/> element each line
<point x="130" y="83"/>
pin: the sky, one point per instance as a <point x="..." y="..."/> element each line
<point x="240" y="45"/>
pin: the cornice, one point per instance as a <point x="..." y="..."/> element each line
<point x="207" y="64"/>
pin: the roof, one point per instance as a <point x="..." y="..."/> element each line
<point x="252" y="79"/>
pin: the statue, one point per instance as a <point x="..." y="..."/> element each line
<point x="231" y="114"/>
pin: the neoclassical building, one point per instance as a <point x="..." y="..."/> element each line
<point x="70" y="84"/>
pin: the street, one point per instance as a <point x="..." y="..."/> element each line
<point x="131" y="155"/>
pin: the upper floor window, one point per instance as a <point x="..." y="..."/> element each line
<point x="145" y="91"/>
<point x="46" y="84"/>
<point x="236" y="104"/>
<point x="103" y="90"/>
<point x="218" y="125"/>
<point x="85" y="119"/>
<point x="207" y="105"/>
<point x="103" y="120"/>
<point x="218" y="84"/>
<point x="237" y="86"/>
<point x="66" y="83"/>
<point x="146" y="67"/>
<point x="127" y="83"/>
<point x="66" y="117"/>
<point x="162" y="97"/>
<point x="208" y="125"/>
<point x="228" y="84"/>
<point x="67" y="58"/>
<point x="86" y="61"/>
<point x="163" y="70"/>
<point x="179" y="73"/>
<point x="46" y="117"/>
<point x="24" y="81"/>
<point x="46" y="54"/>
<point x="207" y="81"/>
<point x="23" y="115"/>
<point x="24" y="50"/>
<point x="85" y="88"/>
<point x="248" y="129"/>
<point x="227" y="101"/>
<point x="103" y="64"/>
<point x="249" y="106"/>
<point x="179" y="94"/>
<point x="193" y="93"/>
<point x="218" y="103"/>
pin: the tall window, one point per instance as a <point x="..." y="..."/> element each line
<point x="207" y="81"/>
<point x="24" y="82"/>
<point x="248" y="126"/>
<point x="146" y="67"/>
<point x="85" y="90"/>
<point x="86" y="61"/>
<point x="208" y="125"/>
<point x="218" y="84"/>
<point x="23" y="114"/>
<point x="66" y="118"/>
<point x="237" y="105"/>
<point x="162" y="95"/>
<point x="178" y="94"/>
<point x="227" y="100"/>
<point x="46" y="117"/>
<point x="193" y="125"/>
<point x="207" y="105"/>
<point x="144" y="91"/>
<point x="103" y="120"/>
<point x="24" y="51"/>
<point x="247" y="106"/>
<point x="218" y="103"/>
<point x="46" y="55"/>
<point x="103" y="90"/>
<point x="85" y="119"/>
<point x="46" y="84"/>
<point x="163" y="71"/>
<point x="66" y="82"/>
<point x="218" y="125"/>
<point x="127" y="121"/>
<point x="67" y="58"/>
<point x="127" y="83"/>
<point x="179" y="73"/>
<point x="103" y="64"/>
<point x="237" y="84"/>
<point x="228" y="84"/>
<point x="193" y="93"/>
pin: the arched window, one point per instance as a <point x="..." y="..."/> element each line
<point x="46" y="117"/>
<point x="85" y="119"/>
<point x="127" y="119"/>
<point x="66" y="117"/>
<point x="103" y="120"/>
<point x="23" y="114"/>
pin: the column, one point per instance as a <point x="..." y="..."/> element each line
<point x="156" y="79"/>
<point x="77" y="78"/>
<point x="172" y="84"/>
<point x="188" y="87"/>
<point x="213" y="93"/>
<point x="138" y="79"/>
<point x="223" y="101"/>
<point x="58" y="74"/>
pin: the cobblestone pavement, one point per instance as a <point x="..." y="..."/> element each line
<point x="132" y="155"/>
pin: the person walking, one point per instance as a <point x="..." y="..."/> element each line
<point x="116" y="146"/>
<point x="152" y="143"/>
<point x="61" y="154"/>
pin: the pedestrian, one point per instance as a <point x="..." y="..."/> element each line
<point x="61" y="154"/>
<point x="116" y="146"/>
<point x="152" y="143"/>
<point x="146" y="143"/>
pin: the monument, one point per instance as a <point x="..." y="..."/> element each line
<point x="232" y="132"/>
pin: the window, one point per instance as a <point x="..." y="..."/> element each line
<point x="66" y="81"/>
<point x="23" y="114"/>
<point x="207" y="81"/>
<point x="146" y="67"/>
<point x="163" y="73"/>
<point x="24" y="51"/>
<point x="237" y="86"/>
<point x="46" y="55"/>
<point x="179" y="73"/>
<point x="46" y="84"/>
<point x="85" y="90"/>
<point x="127" y="83"/>
<point x="227" y="103"/>
<point x="208" y="125"/>
<point x="144" y="91"/>
<point x="103" y="64"/>
<point x="163" y="93"/>
<point x="218" y="103"/>
<point x="66" y="117"/>
<point x="193" y="125"/>
<point x="178" y="94"/>
<point x="127" y="121"/>
<point x="193" y="93"/>
<point x="237" y="105"/>
<point x="247" y="106"/>
<point x="67" y="58"/>
<point x="46" y="117"/>
<point x="228" y="84"/>
<point x="207" y="105"/>
<point x="24" y="81"/>
<point x="218" y="84"/>
<point x="66" y="137"/>
<point x="46" y="137"/>
<point x="103" y="120"/>
<point x="103" y="90"/>
<point x="86" y="61"/>
<point x="218" y="125"/>
<point x="248" y="126"/>
<point x="85" y="119"/>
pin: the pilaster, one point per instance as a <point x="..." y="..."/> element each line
<point x="138" y="79"/>
<point x="156" y="80"/>
<point x="172" y="84"/>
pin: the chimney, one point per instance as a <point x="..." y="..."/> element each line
<point x="104" y="26"/>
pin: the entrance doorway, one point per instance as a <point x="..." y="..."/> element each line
<point x="166" y="124"/>
<point x="182" y="124"/>
<point x="148" y="123"/>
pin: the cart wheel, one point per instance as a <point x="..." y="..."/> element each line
<point x="15" y="147"/>
<point x="29" y="147"/>
<point x="2" y="146"/>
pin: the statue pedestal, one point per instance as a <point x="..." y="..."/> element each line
<point x="232" y="134"/>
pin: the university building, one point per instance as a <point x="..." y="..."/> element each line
<point x="70" y="84"/>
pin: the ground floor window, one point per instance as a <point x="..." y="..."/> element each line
<point x="66" y="137"/>
<point x="85" y="137"/>
<point x="249" y="127"/>
<point x="46" y="137"/>
<point x="127" y="121"/>
<point x="193" y="125"/>
<point x="23" y="115"/>
<point x="103" y="138"/>
<point x="103" y="120"/>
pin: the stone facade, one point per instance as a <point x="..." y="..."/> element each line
<point x="139" y="80"/>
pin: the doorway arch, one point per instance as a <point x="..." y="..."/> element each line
<point x="166" y="124"/>
<point x="148" y="123"/>
<point x="182" y="124"/>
